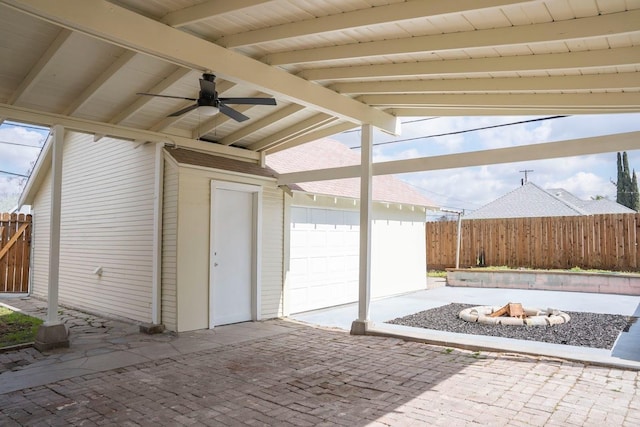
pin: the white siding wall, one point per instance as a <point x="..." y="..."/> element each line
<point x="194" y="212"/>
<point x="193" y="251"/>
<point x="107" y="221"/>
<point x="272" y="251"/>
<point x="169" y="246"/>
<point x="40" y="239"/>
<point x="398" y="257"/>
<point x="325" y="245"/>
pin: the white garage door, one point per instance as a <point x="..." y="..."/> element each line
<point x="324" y="258"/>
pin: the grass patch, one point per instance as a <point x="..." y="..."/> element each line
<point x="17" y="328"/>
<point x="436" y="273"/>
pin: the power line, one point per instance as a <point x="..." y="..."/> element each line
<point x="465" y="131"/>
<point x="20" y="145"/>
<point x="440" y="195"/>
<point x="14" y="174"/>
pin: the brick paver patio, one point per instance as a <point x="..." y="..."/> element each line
<point x="312" y="376"/>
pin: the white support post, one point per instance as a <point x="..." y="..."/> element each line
<point x="156" y="326"/>
<point x="54" y="227"/>
<point x="156" y="301"/>
<point x="366" y="193"/>
<point x="52" y="333"/>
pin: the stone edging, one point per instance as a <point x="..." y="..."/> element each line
<point x="535" y="317"/>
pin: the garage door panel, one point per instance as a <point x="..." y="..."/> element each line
<point x="324" y="258"/>
<point x="325" y="262"/>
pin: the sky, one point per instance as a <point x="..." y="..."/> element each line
<point x="464" y="188"/>
<point x="471" y="188"/>
<point x="17" y="159"/>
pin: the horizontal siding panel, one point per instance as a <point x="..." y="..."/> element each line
<point x="107" y="221"/>
<point x="272" y="240"/>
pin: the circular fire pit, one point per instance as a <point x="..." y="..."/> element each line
<point x="499" y="315"/>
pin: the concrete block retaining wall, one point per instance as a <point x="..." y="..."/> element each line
<point x="615" y="283"/>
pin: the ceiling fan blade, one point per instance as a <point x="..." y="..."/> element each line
<point x="249" y="101"/>
<point x="184" y="110"/>
<point x="208" y="88"/>
<point x="166" y="96"/>
<point x="235" y="115"/>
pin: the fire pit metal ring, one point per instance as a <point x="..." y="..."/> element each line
<point x="532" y="316"/>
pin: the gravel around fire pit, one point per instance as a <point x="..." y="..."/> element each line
<point x="584" y="329"/>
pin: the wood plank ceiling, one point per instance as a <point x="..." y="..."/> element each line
<point x="332" y="65"/>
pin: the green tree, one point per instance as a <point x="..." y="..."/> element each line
<point x="620" y="182"/>
<point x="626" y="186"/>
<point x="635" y="196"/>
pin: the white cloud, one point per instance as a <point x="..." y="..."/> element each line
<point x="17" y="159"/>
<point x="585" y="185"/>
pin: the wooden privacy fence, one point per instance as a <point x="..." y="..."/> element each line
<point x="15" y="250"/>
<point x="608" y="242"/>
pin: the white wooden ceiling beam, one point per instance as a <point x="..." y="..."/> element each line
<point x="613" y="81"/>
<point x="39" y="69"/>
<point x="312" y="136"/>
<point x="624" y="101"/>
<point x="497" y="111"/>
<point x="360" y="18"/>
<point x="596" y="26"/>
<point x="95" y="86"/>
<point x="258" y="125"/>
<point x="542" y="151"/>
<point x="300" y="128"/>
<point x="114" y="24"/>
<point x="604" y="58"/>
<point x="549" y="150"/>
<point x="205" y="10"/>
<point x="26" y="115"/>
<point x="328" y="174"/>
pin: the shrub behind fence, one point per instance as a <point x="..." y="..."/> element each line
<point x="608" y="242"/>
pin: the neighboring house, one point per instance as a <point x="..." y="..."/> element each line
<point x="529" y="200"/>
<point x="197" y="240"/>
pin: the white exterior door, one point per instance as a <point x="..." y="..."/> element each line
<point x="234" y="243"/>
<point x="323" y="258"/>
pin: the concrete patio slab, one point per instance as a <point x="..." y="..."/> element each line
<point x="627" y="355"/>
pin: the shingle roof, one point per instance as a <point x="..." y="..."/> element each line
<point x="602" y="206"/>
<point x="530" y="200"/>
<point x="197" y="158"/>
<point x="327" y="153"/>
<point x="320" y="154"/>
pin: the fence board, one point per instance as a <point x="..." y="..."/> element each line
<point x="15" y="241"/>
<point x="610" y="241"/>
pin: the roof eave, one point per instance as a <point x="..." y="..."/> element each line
<point x="38" y="174"/>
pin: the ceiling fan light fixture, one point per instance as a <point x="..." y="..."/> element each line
<point x="208" y="110"/>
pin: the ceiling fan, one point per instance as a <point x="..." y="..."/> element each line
<point x="209" y="102"/>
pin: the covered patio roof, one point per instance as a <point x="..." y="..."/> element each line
<point x="331" y="65"/>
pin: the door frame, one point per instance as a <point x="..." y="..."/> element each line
<point x="256" y="247"/>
